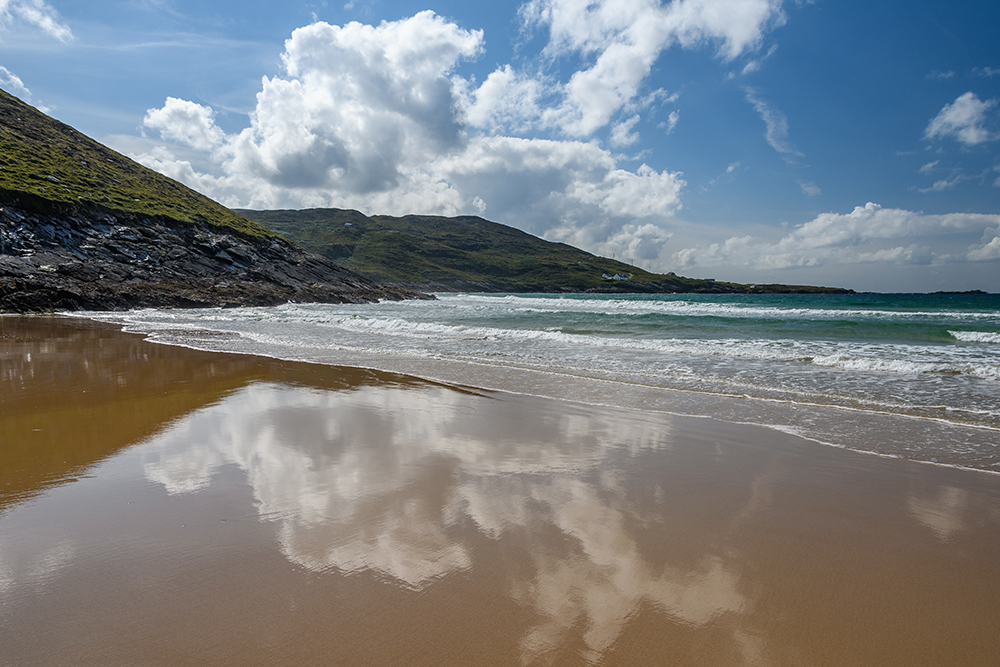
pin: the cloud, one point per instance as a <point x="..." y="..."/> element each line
<point x="505" y="101"/>
<point x="362" y="108"/>
<point x="638" y="242"/>
<point x="36" y="13"/>
<point x="988" y="248"/>
<point x="623" y="38"/>
<point x="755" y="64"/>
<point x="563" y="190"/>
<point x="727" y="174"/>
<point x="187" y="123"/>
<point x="868" y="234"/>
<point x="988" y="72"/>
<point x="809" y="189"/>
<point x="963" y="119"/>
<point x="945" y="183"/>
<point x="643" y="193"/>
<point x="164" y="161"/>
<point x="672" y="119"/>
<point x="375" y="118"/>
<point x="927" y="168"/>
<point x="944" y="76"/>
<point x="735" y="27"/>
<point x="621" y="133"/>
<point x="13" y="85"/>
<point x="777" y="125"/>
<point x="361" y="104"/>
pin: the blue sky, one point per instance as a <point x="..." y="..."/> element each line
<point x="843" y="143"/>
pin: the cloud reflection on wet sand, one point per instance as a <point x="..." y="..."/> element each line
<point x="374" y="479"/>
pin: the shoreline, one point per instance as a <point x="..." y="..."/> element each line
<point x="814" y="422"/>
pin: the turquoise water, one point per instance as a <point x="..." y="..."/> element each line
<point x="833" y="368"/>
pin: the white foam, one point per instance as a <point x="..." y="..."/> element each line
<point x="906" y="366"/>
<point x="976" y="336"/>
<point x="691" y="308"/>
<point x="430" y="332"/>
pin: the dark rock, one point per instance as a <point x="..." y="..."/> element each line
<point x="73" y="259"/>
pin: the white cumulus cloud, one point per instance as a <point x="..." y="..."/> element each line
<point x="187" y="123"/>
<point x="867" y="234"/>
<point x="375" y="118"/>
<point x="361" y="103"/>
<point x="988" y="247"/>
<point x="964" y="119"/>
<point x="506" y="100"/>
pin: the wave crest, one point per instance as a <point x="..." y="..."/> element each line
<point x="976" y="336"/>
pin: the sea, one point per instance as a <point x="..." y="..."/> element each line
<point x="914" y="376"/>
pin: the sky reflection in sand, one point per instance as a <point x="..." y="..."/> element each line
<point x="376" y="478"/>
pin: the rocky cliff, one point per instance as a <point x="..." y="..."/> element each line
<point x="61" y="258"/>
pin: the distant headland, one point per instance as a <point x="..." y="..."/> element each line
<point x="470" y="254"/>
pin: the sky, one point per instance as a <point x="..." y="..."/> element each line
<point x="853" y="144"/>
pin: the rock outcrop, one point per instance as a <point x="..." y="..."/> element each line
<point x="57" y="256"/>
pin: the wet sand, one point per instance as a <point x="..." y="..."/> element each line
<point x="160" y="505"/>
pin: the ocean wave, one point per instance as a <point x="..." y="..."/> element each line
<point x="691" y="308"/>
<point x="752" y="349"/>
<point x="401" y="329"/>
<point x="893" y="358"/>
<point x="976" y="336"/>
<point x="905" y="366"/>
<point x="499" y="308"/>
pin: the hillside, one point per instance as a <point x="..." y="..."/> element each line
<point x="472" y="254"/>
<point x="41" y="156"/>
<point x="84" y="227"/>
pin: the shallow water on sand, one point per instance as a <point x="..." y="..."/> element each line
<point x="226" y="509"/>
<point x="913" y="376"/>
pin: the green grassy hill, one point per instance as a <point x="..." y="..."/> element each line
<point x="426" y="250"/>
<point x="51" y="161"/>
<point x="470" y="254"/>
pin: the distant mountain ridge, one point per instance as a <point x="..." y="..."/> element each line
<point x="84" y="227"/>
<point x="470" y="254"/>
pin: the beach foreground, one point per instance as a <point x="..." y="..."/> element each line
<point x="160" y="505"/>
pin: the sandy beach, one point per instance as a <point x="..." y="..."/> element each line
<point x="166" y="506"/>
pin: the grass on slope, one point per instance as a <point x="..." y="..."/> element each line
<point x="425" y="249"/>
<point x="48" y="159"/>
